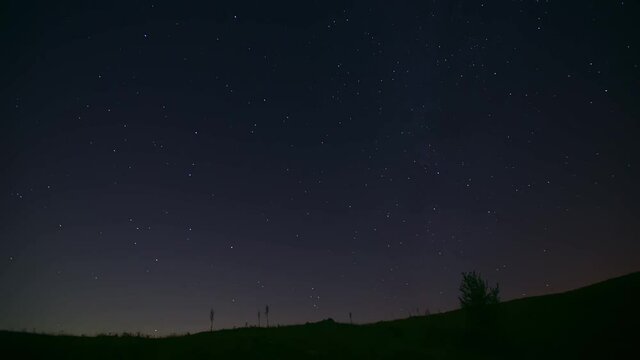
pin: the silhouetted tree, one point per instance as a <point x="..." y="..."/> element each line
<point x="476" y="299"/>
<point x="350" y="319"/>
<point x="211" y="317"/>
<point x="258" y="318"/>
<point x="476" y="292"/>
<point x="266" y="314"/>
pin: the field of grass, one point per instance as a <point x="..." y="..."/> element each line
<point x="600" y="321"/>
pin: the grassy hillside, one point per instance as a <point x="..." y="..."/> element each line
<point x="598" y="321"/>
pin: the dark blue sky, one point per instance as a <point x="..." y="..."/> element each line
<point x="323" y="158"/>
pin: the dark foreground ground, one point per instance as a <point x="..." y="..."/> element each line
<point x="601" y="321"/>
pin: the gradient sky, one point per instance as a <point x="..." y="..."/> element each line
<point x="322" y="158"/>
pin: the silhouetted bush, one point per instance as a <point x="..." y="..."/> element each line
<point x="476" y="293"/>
<point x="478" y="301"/>
<point x="266" y="314"/>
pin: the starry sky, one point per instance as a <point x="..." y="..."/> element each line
<point x="159" y="160"/>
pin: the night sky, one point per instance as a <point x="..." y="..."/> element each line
<point x="320" y="158"/>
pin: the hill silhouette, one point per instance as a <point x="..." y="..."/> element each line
<point x="597" y="321"/>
